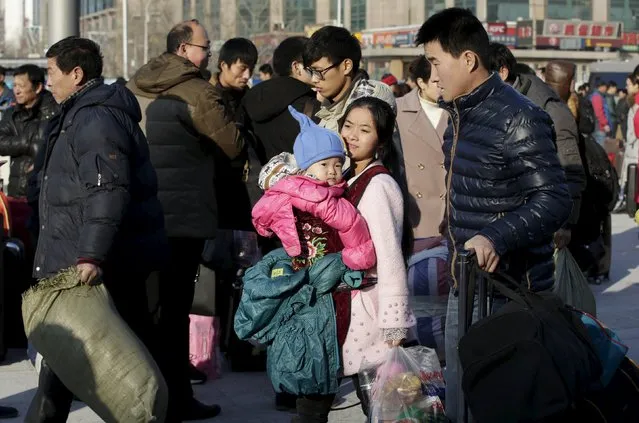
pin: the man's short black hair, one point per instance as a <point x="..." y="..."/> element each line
<point x="420" y="68"/>
<point x="266" y="68"/>
<point x="236" y="49"/>
<point x="3" y="71"/>
<point x="79" y="52"/>
<point x="336" y="44"/>
<point x="612" y="84"/>
<point x="33" y="72"/>
<point x="601" y="83"/>
<point x="180" y="34"/>
<point x="290" y="50"/>
<point x="457" y="30"/>
<point x="501" y="56"/>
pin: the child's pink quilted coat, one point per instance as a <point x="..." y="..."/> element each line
<point x="273" y="214"/>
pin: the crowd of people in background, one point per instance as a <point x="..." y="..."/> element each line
<point x="135" y="183"/>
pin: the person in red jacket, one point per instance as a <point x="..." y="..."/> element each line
<point x="600" y="106"/>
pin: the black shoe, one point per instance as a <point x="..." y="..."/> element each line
<point x="285" y="402"/>
<point x="8" y="413"/>
<point x="198" y="411"/>
<point x="197" y="377"/>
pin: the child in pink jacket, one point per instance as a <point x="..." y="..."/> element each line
<point x="307" y="210"/>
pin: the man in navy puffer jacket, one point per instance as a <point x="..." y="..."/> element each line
<point x="507" y="192"/>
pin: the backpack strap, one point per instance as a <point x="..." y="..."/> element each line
<point x="356" y="190"/>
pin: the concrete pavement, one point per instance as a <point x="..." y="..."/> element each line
<point x="248" y="398"/>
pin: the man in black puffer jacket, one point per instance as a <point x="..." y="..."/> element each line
<point x="506" y="191"/>
<point x="99" y="209"/>
<point x="22" y="127"/>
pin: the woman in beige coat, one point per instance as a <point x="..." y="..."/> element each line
<point x="421" y="126"/>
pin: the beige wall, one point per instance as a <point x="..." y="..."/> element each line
<point x="600" y="10"/>
<point x="383" y="13"/>
<point x="277" y="11"/>
<point x="228" y="19"/>
<point x="323" y="11"/>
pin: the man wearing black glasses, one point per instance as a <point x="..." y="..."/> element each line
<point x="187" y="127"/>
<point x="332" y="58"/>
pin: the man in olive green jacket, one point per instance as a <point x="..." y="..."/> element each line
<point x="187" y="128"/>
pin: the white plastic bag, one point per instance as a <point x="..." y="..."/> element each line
<point x="407" y="386"/>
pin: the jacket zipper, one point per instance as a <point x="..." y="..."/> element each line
<point x="97" y="165"/>
<point x="453" y="151"/>
<point x="42" y="204"/>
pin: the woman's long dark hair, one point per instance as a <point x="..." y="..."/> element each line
<point x="389" y="154"/>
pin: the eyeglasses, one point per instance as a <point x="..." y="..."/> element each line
<point x="207" y="49"/>
<point x="319" y="74"/>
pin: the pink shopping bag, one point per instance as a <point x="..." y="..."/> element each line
<point x="204" y="345"/>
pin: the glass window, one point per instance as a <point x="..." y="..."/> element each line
<point x="434" y="6"/>
<point x="626" y="11"/>
<point x="252" y="17"/>
<point x="199" y="11"/>
<point x="569" y="9"/>
<point x="358" y="15"/>
<point x="298" y="14"/>
<point x="467" y="4"/>
<point x="214" y="20"/>
<point x="498" y="10"/>
<point x="186" y="9"/>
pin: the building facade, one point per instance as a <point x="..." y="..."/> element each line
<point x="229" y="18"/>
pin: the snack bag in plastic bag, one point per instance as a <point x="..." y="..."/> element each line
<point x="406" y="388"/>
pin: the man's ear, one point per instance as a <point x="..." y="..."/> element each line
<point x="347" y="67"/>
<point x="39" y="88"/>
<point x="78" y="75"/>
<point x="471" y="60"/>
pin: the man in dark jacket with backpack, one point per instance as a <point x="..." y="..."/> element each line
<point x="99" y="209"/>
<point x="567" y="135"/>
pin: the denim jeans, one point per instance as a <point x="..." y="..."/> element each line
<point x="600" y="137"/>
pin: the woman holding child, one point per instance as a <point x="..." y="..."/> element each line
<point x="375" y="315"/>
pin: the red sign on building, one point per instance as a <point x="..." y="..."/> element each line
<point x="630" y="41"/>
<point x="500" y="32"/>
<point x="584" y="29"/>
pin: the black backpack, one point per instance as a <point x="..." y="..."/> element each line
<point x="618" y="402"/>
<point x="587" y="120"/>
<point x="602" y="181"/>
<point x="528" y="362"/>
